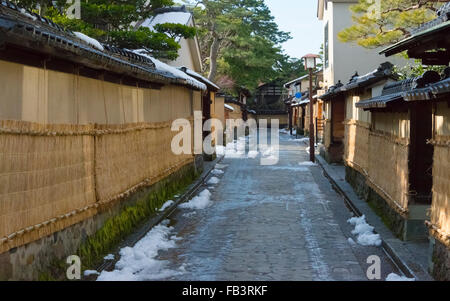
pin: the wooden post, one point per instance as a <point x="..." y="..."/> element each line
<point x="290" y="118"/>
<point x="311" y="118"/>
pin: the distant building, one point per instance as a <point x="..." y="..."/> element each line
<point x="299" y="107"/>
<point x="269" y="97"/>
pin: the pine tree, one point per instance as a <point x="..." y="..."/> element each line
<point x="240" y="38"/>
<point x="114" y="22"/>
<point x="383" y="22"/>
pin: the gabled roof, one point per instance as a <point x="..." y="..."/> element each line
<point x="176" y="15"/>
<point x="300" y="78"/>
<point x="429" y="36"/>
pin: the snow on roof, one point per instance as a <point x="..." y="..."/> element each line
<point x="296" y="80"/>
<point x="300" y="78"/>
<point x="178" y="17"/>
<point x="92" y="42"/>
<point x="201" y="77"/>
<point x="229" y="107"/>
<point x="160" y="66"/>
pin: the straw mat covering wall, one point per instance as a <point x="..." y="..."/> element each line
<point x="46" y="173"/>
<point x="356" y="153"/>
<point x="133" y="155"/>
<point x="53" y="176"/>
<point x="440" y="208"/>
<point x="388" y="169"/>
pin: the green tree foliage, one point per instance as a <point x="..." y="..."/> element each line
<point x="383" y="22"/>
<point x="415" y="68"/>
<point x="115" y="22"/>
<point x="239" y="38"/>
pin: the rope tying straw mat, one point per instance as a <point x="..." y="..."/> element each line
<point x="54" y="176"/>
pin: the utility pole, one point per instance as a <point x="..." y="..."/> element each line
<point x="312" y="149"/>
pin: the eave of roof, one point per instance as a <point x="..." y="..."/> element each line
<point x="384" y="72"/>
<point x="417" y="39"/>
<point x="380" y="101"/>
<point x="300" y="78"/>
<point x="229" y="107"/>
<point x="25" y="30"/>
<point x="423" y="33"/>
<point x="425" y="87"/>
<point x="201" y="78"/>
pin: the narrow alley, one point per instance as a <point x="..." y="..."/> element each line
<point x="280" y="222"/>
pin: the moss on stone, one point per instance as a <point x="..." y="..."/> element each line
<point x="54" y="272"/>
<point x="131" y="217"/>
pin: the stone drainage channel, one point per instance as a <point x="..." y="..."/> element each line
<point x="131" y="240"/>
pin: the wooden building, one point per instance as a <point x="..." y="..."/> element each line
<point x="395" y="140"/>
<point x="212" y="105"/>
<point x="298" y="108"/>
<point x="345" y="127"/>
<point x="428" y="104"/>
<point x="395" y="137"/>
<point x="85" y="132"/>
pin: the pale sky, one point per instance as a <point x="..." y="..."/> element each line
<point x="299" y="17"/>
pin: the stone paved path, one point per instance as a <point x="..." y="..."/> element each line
<point x="282" y="222"/>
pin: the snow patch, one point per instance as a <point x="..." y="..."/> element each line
<point x="139" y="263"/>
<point x="109" y="257"/>
<point x="201" y="201"/>
<point x="364" y="232"/>
<point x="300" y="139"/>
<point x="235" y="150"/>
<point x="220" y="150"/>
<point x="395" y="277"/>
<point x="252" y="154"/>
<point x="166" y="205"/>
<point x="24" y="12"/>
<point x="90" y="272"/>
<point x="203" y="79"/>
<point x="217" y="172"/>
<point x="92" y="42"/>
<point x="172" y="70"/>
<point x="213" y="181"/>
<point x="229" y="107"/>
<point x="351" y="241"/>
<point x="221" y="166"/>
<point x="307" y="163"/>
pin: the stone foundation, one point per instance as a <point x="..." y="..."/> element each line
<point x="440" y="260"/>
<point x="333" y="153"/>
<point x="411" y="228"/>
<point x="40" y="259"/>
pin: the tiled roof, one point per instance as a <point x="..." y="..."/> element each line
<point x="27" y="30"/>
<point x="383" y="72"/>
<point x="408" y="89"/>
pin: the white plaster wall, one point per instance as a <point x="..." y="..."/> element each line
<point x="347" y="58"/>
